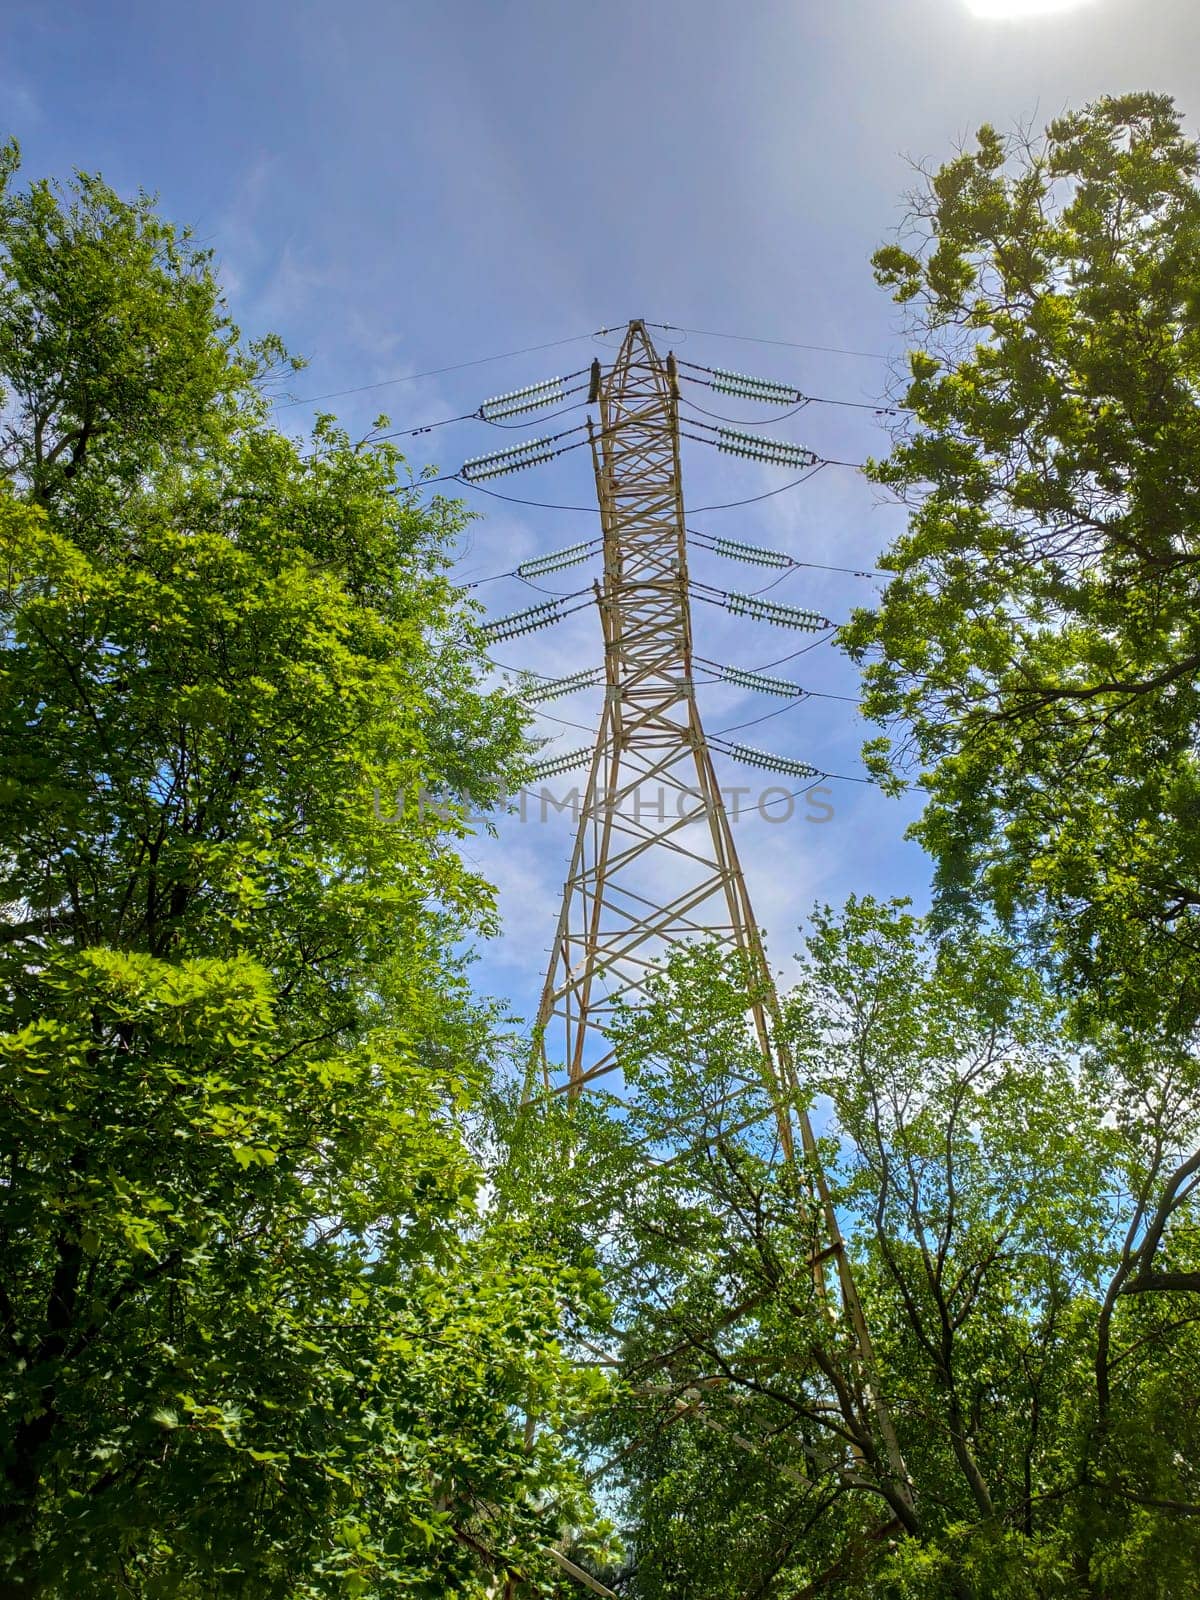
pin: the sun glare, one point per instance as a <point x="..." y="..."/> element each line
<point x="1018" y="10"/>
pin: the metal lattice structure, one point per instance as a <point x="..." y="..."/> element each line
<point x="654" y="863"/>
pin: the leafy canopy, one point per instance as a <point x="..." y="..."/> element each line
<point x="260" y="1336"/>
<point x="1038" y="645"/>
<point x="985" y="1191"/>
<point x="1014" y="1089"/>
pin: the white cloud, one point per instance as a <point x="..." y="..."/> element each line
<point x="1021" y="10"/>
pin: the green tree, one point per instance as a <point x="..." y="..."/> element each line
<point x="990" y="1196"/>
<point x="1035" y="657"/>
<point x="260" y="1337"/>
<point x="1038" y="647"/>
<point x="982" y="1185"/>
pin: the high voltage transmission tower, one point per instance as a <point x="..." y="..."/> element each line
<point x="654" y="863"/>
<point x="654" y="866"/>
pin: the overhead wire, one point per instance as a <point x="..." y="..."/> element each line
<point x="715" y="740"/>
<point x="818" y="464"/>
<point x="493" y="577"/>
<point x="501" y="666"/>
<point x="574" y="594"/>
<point x="478" y="416"/>
<point x="712" y="668"/>
<point x="518" y="500"/>
<point x="735" y="727"/>
<point x="554" y="717"/>
<point x="515" y="572"/>
<point x="724" y="505"/>
<point x="422" y="483"/>
<point x="437" y="372"/>
<point x="699" y="540"/>
<point x="717" y="667"/>
<point x="791" y="656"/>
<point x="742" y="422"/>
<point x="802" y="651"/>
<point x="472" y="416"/>
<point x="426" y="427"/>
<point x="554" y="344"/>
<point x="787" y="572"/>
<point x="729" y="505"/>
<point x="705" y="540"/>
<point x="785" y="344"/>
<point x="537" y="587"/>
<point x="804" y="399"/>
<point x="819" y="461"/>
<point x="816" y="566"/>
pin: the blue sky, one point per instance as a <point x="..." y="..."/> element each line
<point x="402" y="187"/>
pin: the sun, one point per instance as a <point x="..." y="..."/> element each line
<point x="1020" y="9"/>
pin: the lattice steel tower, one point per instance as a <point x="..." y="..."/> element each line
<point x="654" y="862"/>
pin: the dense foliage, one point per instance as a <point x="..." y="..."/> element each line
<point x="267" y="1330"/>
<point x="1037" y="648"/>
<point x="1039" y="641"/>
<point x="986" y="1192"/>
<point x="259" y="1338"/>
<point x="1012" y="1090"/>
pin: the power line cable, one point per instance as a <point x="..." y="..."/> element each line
<point x="729" y="505"/>
<point x="742" y="422"/>
<point x="709" y="542"/>
<point x="537" y="711"/>
<point x="548" y="505"/>
<point x="494" y="577"/>
<point x="437" y="372"/>
<point x="477" y="416"/>
<point x="427" y="427"/>
<point x="718" y="667"/>
<point x="501" y="666"/>
<point x="838" y="777"/>
<point x="773" y="583"/>
<point x="736" y="727"/>
<point x="786" y="344"/>
<point x="517" y="500"/>
<point x="702" y="661"/>
<point x="801" y="397"/>
<point x="791" y="656"/>
<point x="421" y="483"/>
<point x="574" y="594"/>
<point x="538" y="589"/>
<point x="554" y="344"/>
<point x="724" y="505"/>
<point x="723" y="597"/>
